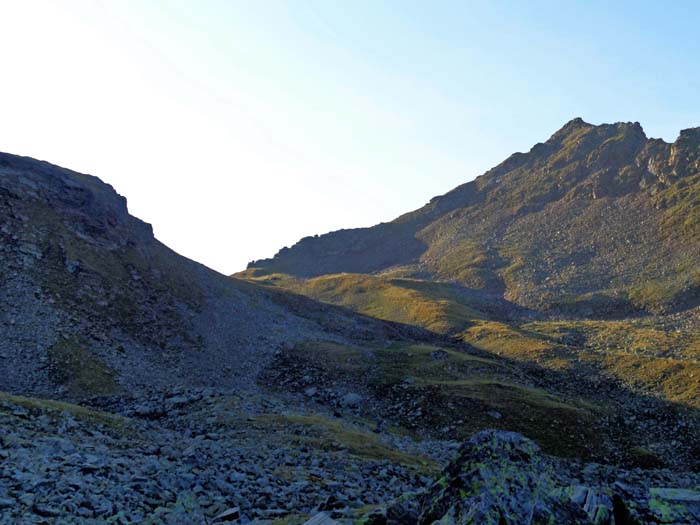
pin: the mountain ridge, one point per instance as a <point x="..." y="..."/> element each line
<point x="581" y="175"/>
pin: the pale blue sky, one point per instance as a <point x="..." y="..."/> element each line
<point x="238" y="127"/>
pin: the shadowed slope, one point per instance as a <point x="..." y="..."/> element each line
<point x="91" y="303"/>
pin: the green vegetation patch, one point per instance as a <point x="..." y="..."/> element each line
<point x="334" y="357"/>
<point x="512" y="341"/>
<point x="456" y="393"/>
<point x="329" y="434"/>
<point x="80" y="371"/>
<point x="465" y="393"/>
<point x="681" y="205"/>
<point x="432" y="364"/>
<point x="674" y="379"/>
<point x="640" y="354"/>
<point x="439" y="307"/>
<point x="59" y="408"/>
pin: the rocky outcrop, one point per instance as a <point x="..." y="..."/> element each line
<point x="501" y="478"/>
<point x="360" y="250"/>
<point x="498" y="478"/>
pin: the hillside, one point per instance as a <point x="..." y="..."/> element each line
<point x="576" y="258"/>
<point x="92" y="304"/>
<point x="93" y="307"/>
<point x="596" y="221"/>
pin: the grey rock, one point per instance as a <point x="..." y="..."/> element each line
<point x="45" y="511"/>
<point x="351" y="400"/>
<point x="321" y="519"/>
<point x="232" y="514"/>
<point x="6" y="503"/>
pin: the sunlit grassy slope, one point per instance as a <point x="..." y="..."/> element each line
<point x="649" y="356"/>
<point x="440" y="307"/>
<point x="644" y="357"/>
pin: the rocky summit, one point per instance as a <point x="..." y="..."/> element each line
<point x="597" y="220"/>
<point x="521" y="350"/>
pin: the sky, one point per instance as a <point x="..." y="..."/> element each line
<point x="238" y="127"/>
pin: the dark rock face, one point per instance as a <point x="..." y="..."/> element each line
<point x="632" y="505"/>
<point x="501" y="478"/>
<point x="361" y="250"/>
<point x="597" y="221"/>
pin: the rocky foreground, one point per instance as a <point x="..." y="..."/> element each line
<point x="206" y="456"/>
<point x="186" y="457"/>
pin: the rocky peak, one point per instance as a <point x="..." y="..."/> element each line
<point x="570" y="127"/>
<point x="690" y="137"/>
<point x="576" y="129"/>
<point x="571" y="184"/>
<point x="684" y="155"/>
<point x="86" y="205"/>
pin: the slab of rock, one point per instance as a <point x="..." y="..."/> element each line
<point x="656" y="505"/>
<point x="232" y="514"/>
<point x="311" y="391"/>
<point x="351" y="400"/>
<point x="321" y="519"/>
<point x="438" y="355"/>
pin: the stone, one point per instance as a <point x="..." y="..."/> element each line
<point x="598" y="506"/>
<point x="6" y="503"/>
<point x="45" y="511"/>
<point x="351" y="400"/>
<point x="498" y="478"/>
<point x="321" y="519"/>
<point x="333" y="502"/>
<point x="438" y="355"/>
<point x="231" y="514"/>
<point x="150" y="412"/>
<point x="376" y="517"/>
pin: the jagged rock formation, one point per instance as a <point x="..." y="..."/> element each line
<point x="598" y="220"/>
<point x="91" y="303"/>
<point x="501" y="478"/>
